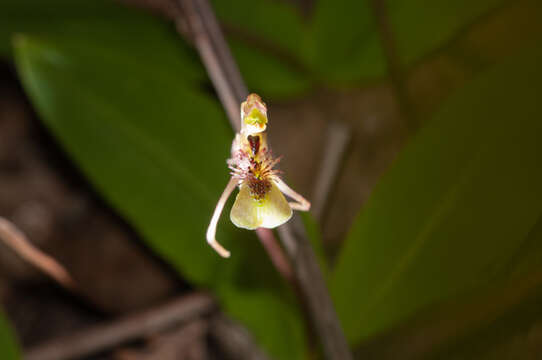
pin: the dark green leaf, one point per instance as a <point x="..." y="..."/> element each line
<point x="457" y="204"/>
<point x="513" y="329"/>
<point x="421" y="26"/>
<point x="340" y="32"/>
<point x="156" y="149"/>
<point x="266" y="39"/>
<point x="345" y="43"/>
<point x="145" y="41"/>
<point x="273" y="21"/>
<point x="266" y="74"/>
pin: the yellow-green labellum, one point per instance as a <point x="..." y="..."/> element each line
<point x="268" y="212"/>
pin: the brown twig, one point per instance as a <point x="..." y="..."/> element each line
<point x="171" y="345"/>
<point x="313" y="289"/>
<point x="18" y="242"/>
<point x="235" y="340"/>
<point x="216" y="57"/>
<point x="102" y="337"/>
<point x="229" y="84"/>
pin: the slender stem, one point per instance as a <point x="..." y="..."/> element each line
<point x="338" y="137"/>
<point x="312" y="287"/>
<point x="229" y="84"/>
<point x="210" y="59"/>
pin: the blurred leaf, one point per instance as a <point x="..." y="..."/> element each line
<point x="265" y="37"/>
<point x="42" y="17"/>
<point x="8" y="347"/>
<point x="514" y="332"/>
<point x="276" y="22"/>
<point x="155" y="148"/>
<point x="344" y="45"/>
<point x="145" y="41"/>
<point x="459" y="201"/>
<point x="340" y="31"/>
<point x="266" y="74"/>
<point x="421" y="26"/>
<point x="528" y="258"/>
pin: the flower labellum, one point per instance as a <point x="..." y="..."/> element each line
<point x="260" y="201"/>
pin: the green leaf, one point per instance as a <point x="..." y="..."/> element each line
<point x="144" y="40"/>
<point x="440" y="21"/>
<point x="9" y="349"/>
<point x="266" y="74"/>
<point x="459" y="201"/>
<point x="344" y="44"/>
<point x="42" y="17"/>
<point x="340" y="31"/>
<point x="509" y="335"/>
<point x="155" y="147"/>
<point x="265" y="38"/>
<point x="276" y="22"/>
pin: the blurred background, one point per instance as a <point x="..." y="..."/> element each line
<point x="423" y="116"/>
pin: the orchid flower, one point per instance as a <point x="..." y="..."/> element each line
<point x="260" y="201"/>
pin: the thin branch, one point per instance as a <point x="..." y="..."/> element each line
<point x="229" y="84"/>
<point x="215" y="55"/>
<point x="19" y="243"/>
<point x="235" y="340"/>
<point x="314" y="291"/>
<point x="338" y="137"/>
<point x="170" y="345"/>
<point x="102" y="337"/>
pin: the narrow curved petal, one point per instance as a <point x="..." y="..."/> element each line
<point x="271" y="211"/>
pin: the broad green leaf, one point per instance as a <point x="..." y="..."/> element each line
<point x="459" y="201"/>
<point x="156" y="149"/>
<point x="144" y="40"/>
<point x="9" y="349"/>
<point x="511" y="333"/>
<point x="345" y="46"/>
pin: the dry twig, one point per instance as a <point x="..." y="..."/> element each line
<point x="102" y="337"/>
<point x="235" y="340"/>
<point x="18" y="242"/>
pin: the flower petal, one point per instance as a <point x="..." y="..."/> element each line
<point x="271" y="211"/>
